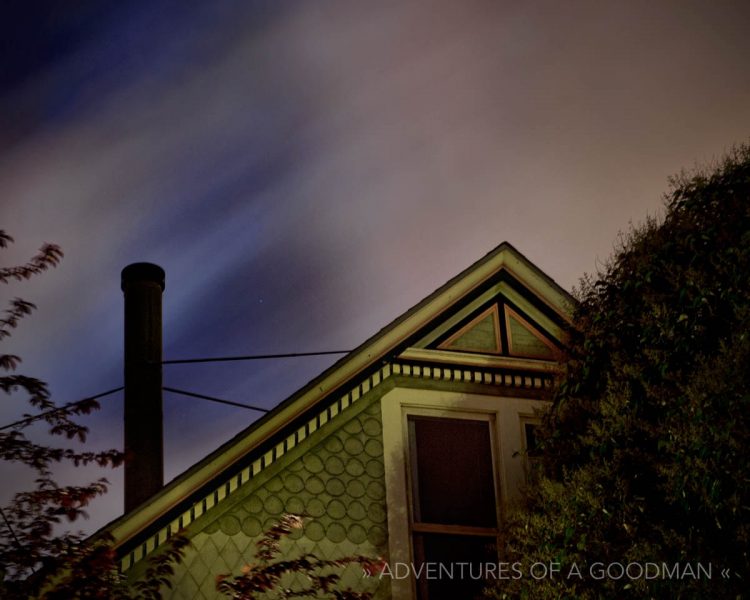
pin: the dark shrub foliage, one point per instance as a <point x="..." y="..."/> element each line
<point x="646" y="442"/>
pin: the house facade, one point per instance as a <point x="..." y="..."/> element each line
<point x="411" y="447"/>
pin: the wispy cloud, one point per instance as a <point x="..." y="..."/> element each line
<point x="306" y="173"/>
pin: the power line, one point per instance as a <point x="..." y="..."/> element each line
<point x="250" y="357"/>
<point x="65" y="407"/>
<point x="70" y="405"/>
<point x="213" y="399"/>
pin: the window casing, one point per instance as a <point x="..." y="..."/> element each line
<point x="419" y="530"/>
<point x="453" y="498"/>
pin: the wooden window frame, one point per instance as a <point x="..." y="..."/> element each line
<point x="423" y="527"/>
<point x="508" y="466"/>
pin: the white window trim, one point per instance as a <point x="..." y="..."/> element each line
<point x="504" y="413"/>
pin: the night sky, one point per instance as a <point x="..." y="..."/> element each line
<point x="305" y="172"/>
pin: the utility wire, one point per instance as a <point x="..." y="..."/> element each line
<point x="175" y="391"/>
<point x="67" y="406"/>
<point x="250" y="357"/>
<point x="70" y="405"/>
<point x="212" y="399"/>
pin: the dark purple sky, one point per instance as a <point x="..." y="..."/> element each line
<point x="307" y="171"/>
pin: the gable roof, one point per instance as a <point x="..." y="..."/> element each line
<point x="504" y="270"/>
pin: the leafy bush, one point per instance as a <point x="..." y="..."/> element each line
<point x="646" y="442"/>
<point x="266" y="578"/>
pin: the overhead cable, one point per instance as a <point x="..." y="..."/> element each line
<point x="213" y="399"/>
<point x="65" y="407"/>
<point x="69" y="405"/>
<point x="250" y="357"/>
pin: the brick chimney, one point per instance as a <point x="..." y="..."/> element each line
<point x="142" y="285"/>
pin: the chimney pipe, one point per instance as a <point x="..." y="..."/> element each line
<point x="142" y="285"/>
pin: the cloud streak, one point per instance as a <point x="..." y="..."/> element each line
<point x="306" y="173"/>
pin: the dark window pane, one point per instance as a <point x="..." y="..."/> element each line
<point x="452" y="472"/>
<point x="453" y="567"/>
<point x="532" y="447"/>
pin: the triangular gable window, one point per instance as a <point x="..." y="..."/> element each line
<point x="481" y="334"/>
<point x="524" y="339"/>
